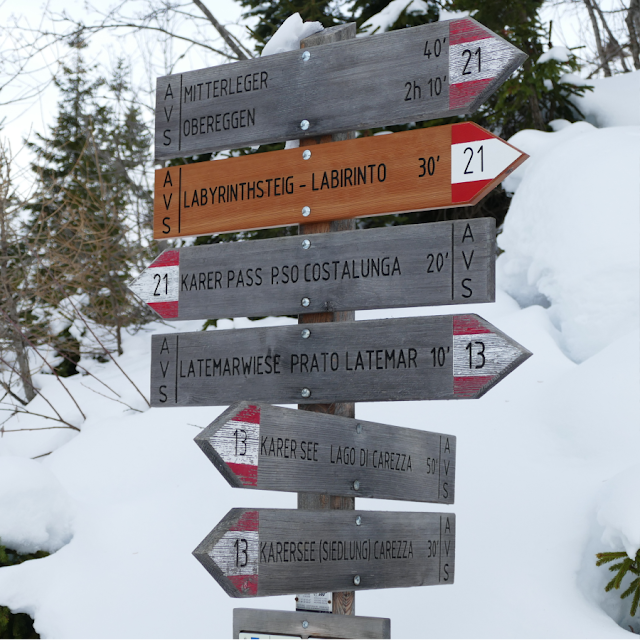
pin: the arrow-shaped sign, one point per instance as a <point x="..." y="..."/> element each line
<point x="259" y="446"/>
<point x="411" y="265"/>
<point x="449" y="166"/>
<point x="429" y="358"/>
<point x="432" y="71"/>
<point x="268" y="552"/>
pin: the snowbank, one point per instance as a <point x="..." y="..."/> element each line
<point x="613" y="102"/>
<point x="36" y="513"/>
<point x="380" y="22"/>
<point x="571" y="235"/>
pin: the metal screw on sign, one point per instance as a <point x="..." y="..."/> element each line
<point x="305" y="393"/>
<point x="306" y="154"/>
<point x="305" y="333"/>
<point x="306" y="244"/>
<point x="356" y="580"/>
<point x="304" y="125"/>
<point x="358" y="428"/>
<point x="306" y="55"/>
<point x="305" y="302"/>
<point x="358" y="521"/>
<point x="305" y="624"/>
<point x="306" y="211"/>
<point x="356" y="485"/>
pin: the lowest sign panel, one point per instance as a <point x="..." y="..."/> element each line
<point x="268" y="552"/>
<point x="433" y="168"/>
<point x="406" y="266"/>
<point x="424" y="358"/>
<point x="259" y="446"/>
<point x="426" y="72"/>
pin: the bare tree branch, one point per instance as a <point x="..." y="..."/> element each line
<point x="221" y="30"/>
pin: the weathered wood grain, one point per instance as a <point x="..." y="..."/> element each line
<point x="262" y="552"/>
<point x="308" y="625"/>
<point x="259" y="446"/>
<point x="431" y="71"/>
<point x="422" y="358"/>
<point x="448" y="166"/>
<point x="418" y="265"/>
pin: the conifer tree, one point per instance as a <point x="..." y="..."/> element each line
<point x="86" y="188"/>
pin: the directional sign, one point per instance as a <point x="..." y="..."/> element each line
<point x="449" y="166"/>
<point x="266" y="623"/>
<point x="268" y="552"/>
<point x="259" y="446"/>
<point x="410" y="265"/>
<point x="423" y="358"/>
<point x="431" y="71"/>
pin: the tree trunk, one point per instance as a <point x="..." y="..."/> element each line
<point x="633" y="24"/>
<point x="604" y="62"/>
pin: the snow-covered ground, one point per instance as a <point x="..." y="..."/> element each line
<point x="547" y="468"/>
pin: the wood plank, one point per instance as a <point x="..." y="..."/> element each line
<point x="259" y="446"/>
<point x="264" y="552"/>
<point x="415" y="265"/>
<point x="422" y="358"/>
<point x="308" y="625"/>
<point x="430" y="71"/>
<point x="435" y="168"/>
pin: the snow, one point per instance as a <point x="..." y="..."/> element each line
<point x="559" y="54"/>
<point x="37" y="512"/>
<point x="613" y="102"/>
<point x="380" y="22"/>
<point x="547" y="468"/>
<point x="288" y="36"/>
<point x="571" y="244"/>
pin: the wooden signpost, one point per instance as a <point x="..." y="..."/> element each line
<point x="252" y="623"/>
<point x="424" y="358"/>
<point x="334" y="85"/>
<point x="259" y="446"/>
<point x="267" y="552"/>
<point x="449" y="166"/>
<point x="432" y="71"/>
<point x="412" y="265"/>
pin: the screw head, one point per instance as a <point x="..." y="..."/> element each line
<point x="305" y="302"/>
<point x="306" y="154"/>
<point x="305" y="393"/>
<point x="305" y="56"/>
<point x="358" y="521"/>
<point x="305" y="333"/>
<point x="306" y="211"/>
<point x="358" y="428"/>
<point x="305" y="624"/>
<point x="356" y="485"/>
<point x="306" y="244"/>
<point x="356" y="580"/>
<point x="304" y="125"/>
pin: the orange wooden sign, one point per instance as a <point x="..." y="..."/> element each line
<point x="448" y="166"/>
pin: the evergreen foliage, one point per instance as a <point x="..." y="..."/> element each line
<point x="16" y="625"/>
<point x="91" y="196"/>
<point x="624" y="567"/>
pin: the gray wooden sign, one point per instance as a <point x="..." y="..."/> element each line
<point x="423" y="358"/>
<point x="431" y="71"/>
<point x="259" y="446"/>
<point x="268" y="552"/>
<point x="264" y="623"/>
<point x="407" y="266"/>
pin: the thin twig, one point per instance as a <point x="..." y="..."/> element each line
<point x="112" y="399"/>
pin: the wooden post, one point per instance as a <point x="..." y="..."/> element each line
<point x="342" y="602"/>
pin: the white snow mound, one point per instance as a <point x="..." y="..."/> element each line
<point x="619" y="512"/>
<point x="288" y="36"/>
<point x="36" y="513"/>
<point x="571" y="235"/>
